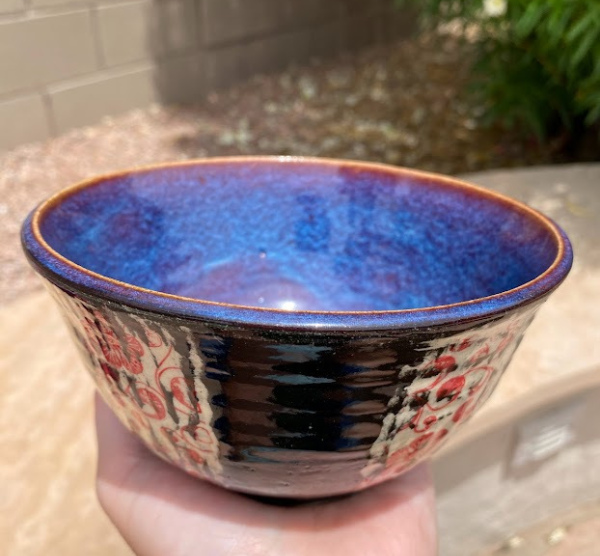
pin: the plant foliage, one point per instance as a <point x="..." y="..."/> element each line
<point x="537" y="62"/>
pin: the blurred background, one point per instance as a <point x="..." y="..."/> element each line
<point x="504" y="92"/>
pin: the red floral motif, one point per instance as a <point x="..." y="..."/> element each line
<point x="479" y="376"/>
<point x="447" y="393"/>
<point x="194" y="455"/>
<point x="198" y="437"/>
<point x="88" y="328"/>
<point x="450" y="384"/>
<point x="179" y="387"/>
<point x="101" y="339"/>
<point x="139" y="372"/>
<point x="192" y="442"/>
<point x="464" y="411"/>
<point x="109" y="371"/>
<point x="403" y="458"/>
<point x="480" y="354"/>
<point x="153" y="406"/>
<point x="444" y="363"/>
<point x="464" y="344"/>
<point x="417" y="426"/>
<point x="118" y="358"/>
<point x="154" y="339"/>
<point x="507" y="340"/>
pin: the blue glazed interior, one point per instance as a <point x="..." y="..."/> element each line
<point x="300" y="236"/>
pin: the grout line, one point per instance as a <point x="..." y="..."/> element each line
<point x="280" y="30"/>
<point x="100" y="58"/>
<point x="14" y="94"/>
<point x="274" y="34"/>
<point x="67" y="7"/>
<point x="199" y="10"/>
<point x="97" y="76"/>
<point x="50" y="118"/>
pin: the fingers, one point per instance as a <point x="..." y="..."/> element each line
<point x="160" y="510"/>
<point x="125" y="471"/>
<point x="116" y="445"/>
<point x="396" y="517"/>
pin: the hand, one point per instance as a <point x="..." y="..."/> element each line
<point x="160" y="510"/>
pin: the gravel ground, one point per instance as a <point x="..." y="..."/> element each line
<point x="402" y="104"/>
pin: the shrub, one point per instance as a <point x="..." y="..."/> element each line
<point x="537" y="61"/>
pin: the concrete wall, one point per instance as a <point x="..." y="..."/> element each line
<point x="67" y="63"/>
<point x="484" y="497"/>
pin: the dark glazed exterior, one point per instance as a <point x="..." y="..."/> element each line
<point x="291" y="403"/>
<point x="289" y="413"/>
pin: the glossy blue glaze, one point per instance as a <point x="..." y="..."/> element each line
<point x="325" y="244"/>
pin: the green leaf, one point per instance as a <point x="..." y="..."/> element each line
<point x="537" y="67"/>
<point x="532" y="16"/>
<point x="559" y="20"/>
<point x="593" y="115"/>
<point x="585" y="46"/>
<point x="579" y="28"/>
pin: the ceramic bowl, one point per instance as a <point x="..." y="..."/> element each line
<point x="293" y="327"/>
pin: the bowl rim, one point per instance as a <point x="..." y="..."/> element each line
<point x="74" y="278"/>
